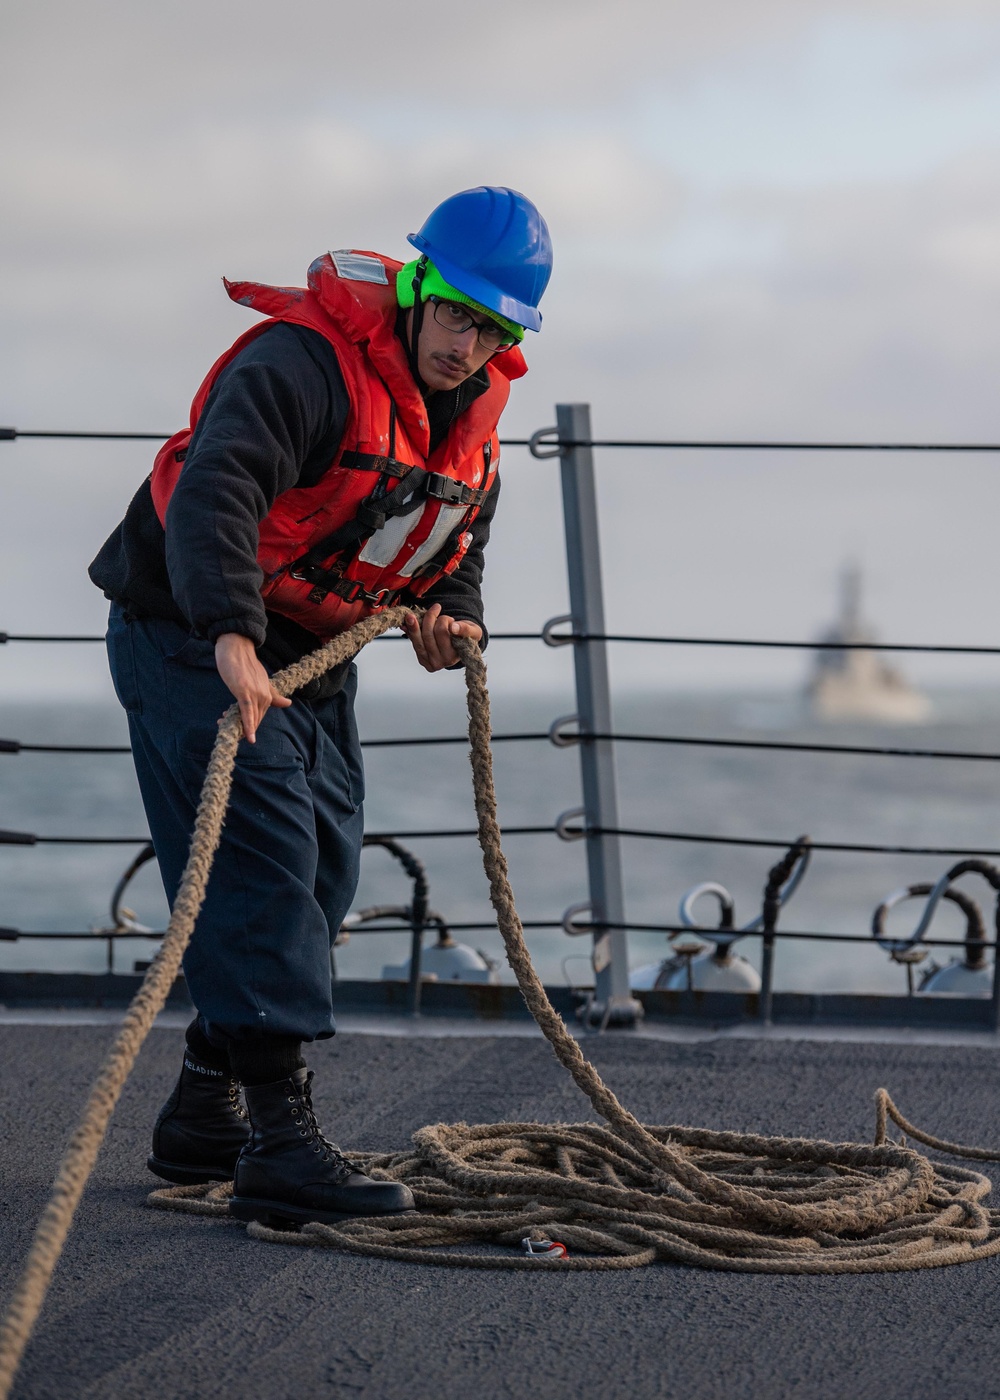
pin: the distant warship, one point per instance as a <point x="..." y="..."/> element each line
<point x="858" y="684"/>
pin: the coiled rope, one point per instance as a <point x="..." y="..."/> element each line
<point x="623" y="1194"/>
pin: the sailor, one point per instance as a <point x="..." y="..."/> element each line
<point x="341" y="457"/>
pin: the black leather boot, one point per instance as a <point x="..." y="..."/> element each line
<point x="202" y="1127"/>
<point x="289" y="1173"/>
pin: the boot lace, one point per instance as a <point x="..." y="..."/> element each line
<point x="235" y="1101"/>
<point x="304" y="1117"/>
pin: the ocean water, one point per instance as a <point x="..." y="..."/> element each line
<point x="774" y="795"/>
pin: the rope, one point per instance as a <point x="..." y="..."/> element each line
<point x="626" y="1194"/>
<point x="78" y="1161"/>
<point x="623" y="1195"/>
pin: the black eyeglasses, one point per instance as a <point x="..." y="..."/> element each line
<point x="455" y="317"/>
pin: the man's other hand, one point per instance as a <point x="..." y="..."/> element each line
<point x="431" y="637"/>
<point x="237" y="663"/>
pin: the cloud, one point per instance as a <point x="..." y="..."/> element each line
<point x="856" y="96"/>
<point x="703" y="286"/>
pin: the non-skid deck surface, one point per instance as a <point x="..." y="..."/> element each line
<point x="146" y="1303"/>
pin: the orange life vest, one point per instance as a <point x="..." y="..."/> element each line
<point x="388" y="517"/>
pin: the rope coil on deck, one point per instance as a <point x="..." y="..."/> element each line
<point x="854" y="1209"/>
<point x="623" y="1195"/>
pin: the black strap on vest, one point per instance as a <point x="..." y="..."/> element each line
<point x="371" y="462"/>
<point x="452" y="492"/>
<point x="437" y="561"/>
<point x="415" y="484"/>
<point x="370" y="516"/>
<point x="404" y="498"/>
<point x="439" y="487"/>
<point x="354" y="592"/>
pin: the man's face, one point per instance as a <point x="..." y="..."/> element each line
<point x="446" y="357"/>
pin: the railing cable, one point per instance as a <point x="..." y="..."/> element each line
<point x="14" y="746"/>
<point x="565" y="638"/>
<point x="566" y="832"/>
<point x="99" y="637"/>
<point x="785" y="746"/>
<point x="12" y="434"/>
<point x="547" y="438"/>
<point x="782" y="843"/>
<point x="14" y="935"/>
<point x="485" y="925"/>
<point x="28" y="838"/>
<point x="700" y="838"/>
<point x="762" y="445"/>
<point x="48" y="637"/>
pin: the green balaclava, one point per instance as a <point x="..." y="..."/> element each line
<point x="434" y="285"/>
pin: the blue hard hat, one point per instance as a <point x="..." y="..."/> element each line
<point x="493" y="245"/>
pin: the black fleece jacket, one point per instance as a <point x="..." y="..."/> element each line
<point x="273" y="421"/>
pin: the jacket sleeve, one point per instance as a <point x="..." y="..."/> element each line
<point x="266" y="414"/>
<point x="460" y="593"/>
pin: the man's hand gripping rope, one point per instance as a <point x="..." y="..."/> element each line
<point x="431" y="635"/>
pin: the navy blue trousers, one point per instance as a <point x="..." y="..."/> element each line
<point x="287" y="869"/>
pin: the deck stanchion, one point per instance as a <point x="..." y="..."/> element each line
<point x="418" y="923"/>
<point x="614" y="1004"/>
<point x="416" y="956"/>
<point x="766" y="995"/>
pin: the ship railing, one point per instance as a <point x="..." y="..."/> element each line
<point x="602" y="916"/>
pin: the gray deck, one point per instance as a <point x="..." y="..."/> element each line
<point x="148" y="1303"/>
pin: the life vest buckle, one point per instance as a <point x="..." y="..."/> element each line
<point x="446" y="488"/>
<point x="384" y="598"/>
<point x="452" y="492"/>
<point x="353" y="591"/>
<point x="350" y="590"/>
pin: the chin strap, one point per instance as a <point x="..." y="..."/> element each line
<point x="418" y="320"/>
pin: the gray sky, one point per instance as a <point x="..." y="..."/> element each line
<point x="770" y="218"/>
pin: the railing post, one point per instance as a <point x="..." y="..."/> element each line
<point x="765" y="1000"/>
<point x="416" y="958"/>
<point x="614" y="1003"/>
